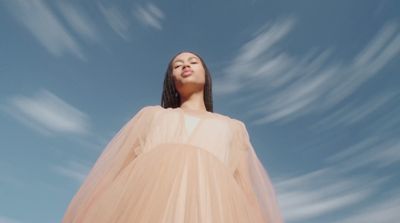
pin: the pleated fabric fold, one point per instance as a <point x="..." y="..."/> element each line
<point x="254" y="179"/>
<point x="153" y="171"/>
<point x="119" y="152"/>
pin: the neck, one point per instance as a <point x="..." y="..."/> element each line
<point x="194" y="101"/>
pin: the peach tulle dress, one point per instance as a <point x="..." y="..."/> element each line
<point x="173" y="165"/>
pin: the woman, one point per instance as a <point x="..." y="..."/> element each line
<point x="178" y="163"/>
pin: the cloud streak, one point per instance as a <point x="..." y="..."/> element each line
<point x="322" y="192"/>
<point x="73" y="170"/>
<point x="44" y="25"/>
<point x="150" y="15"/>
<point x="117" y="20"/>
<point x="353" y="113"/>
<point x="4" y="219"/>
<point x="48" y="114"/>
<point x="384" y="211"/>
<point x="373" y="152"/>
<point x="79" y="21"/>
<point x="284" y="87"/>
<point x="339" y="184"/>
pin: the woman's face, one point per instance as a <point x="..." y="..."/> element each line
<point x="188" y="73"/>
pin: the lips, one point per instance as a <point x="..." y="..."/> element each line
<point x="187" y="73"/>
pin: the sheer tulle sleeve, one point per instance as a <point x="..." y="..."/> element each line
<point x="254" y="179"/>
<point x="122" y="149"/>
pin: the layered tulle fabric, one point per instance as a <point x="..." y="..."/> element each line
<point x="254" y="180"/>
<point x="177" y="166"/>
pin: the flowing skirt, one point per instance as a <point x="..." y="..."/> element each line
<point x="172" y="183"/>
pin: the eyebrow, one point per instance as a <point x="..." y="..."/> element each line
<point x="179" y="60"/>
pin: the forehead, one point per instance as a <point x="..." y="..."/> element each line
<point x="185" y="56"/>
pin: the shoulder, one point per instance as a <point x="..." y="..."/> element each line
<point x="150" y="108"/>
<point x="236" y="124"/>
<point x="240" y="124"/>
<point x="147" y="111"/>
<point x="232" y="121"/>
<point x="240" y="128"/>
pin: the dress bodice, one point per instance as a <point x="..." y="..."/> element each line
<point x="211" y="132"/>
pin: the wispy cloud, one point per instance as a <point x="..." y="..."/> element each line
<point x="282" y="87"/>
<point x="4" y="219"/>
<point x="373" y="152"/>
<point x="339" y="184"/>
<point x="44" y="25"/>
<point x="382" y="49"/>
<point x="117" y="20"/>
<point x="47" y="113"/>
<point x="150" y="15"/>
<point x="74" y="170"/>
<point x="78" y="20"/>
<point x="251" y="63"/>
<point x="385" y="210"/>
<point x="352" y="113"/>
<point x="321" y="192"/>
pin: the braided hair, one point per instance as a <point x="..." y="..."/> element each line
<point x="170" y="96"/>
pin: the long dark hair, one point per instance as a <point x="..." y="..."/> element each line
<point x="170" y="96"/>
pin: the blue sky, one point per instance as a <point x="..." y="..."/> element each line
<point x="316" y="83"/>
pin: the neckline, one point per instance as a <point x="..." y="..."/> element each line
<point x="194" y="112"/>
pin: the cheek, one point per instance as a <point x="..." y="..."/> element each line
<point x="175" y="74"/>
<point x="202" y="72"/>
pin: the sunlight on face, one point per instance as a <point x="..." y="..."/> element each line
<point x="188" y="72"/>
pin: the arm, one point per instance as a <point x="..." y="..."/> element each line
<point x="254" y="179"/>
<point x="123" y="148"/>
